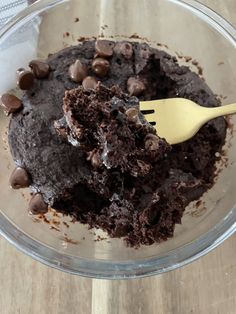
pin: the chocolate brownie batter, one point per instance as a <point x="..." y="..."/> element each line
<point x="89" y="151"/>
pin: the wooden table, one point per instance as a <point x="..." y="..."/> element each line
<point x="207" y="286"/>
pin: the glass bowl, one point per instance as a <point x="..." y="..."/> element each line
<point x="185" y="27"/>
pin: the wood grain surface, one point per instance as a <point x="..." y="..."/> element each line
<point x="206" y="286"/>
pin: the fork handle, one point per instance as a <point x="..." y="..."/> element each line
<point x="220" y="111"/>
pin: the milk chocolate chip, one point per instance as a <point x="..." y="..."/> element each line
<point x="77" y="71"/>
<point x="135" y="86"/>
<point x="90" y="82"/>
<point x="100" y="66"/>
<point x="151" y="142"/>
<point x="125" y="49"/>
<point x="104" y="48"/>
<point x="25" y="79"/>
<point x="19" y="178"/>
<point x="40" y="68"/>
<point x="132" y="114"/>
<point x="10" y="103"/>
<point x="37" y="205"/>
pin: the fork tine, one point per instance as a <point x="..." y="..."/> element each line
<point x="146" y="112"/>
<point x="150" y="117"/>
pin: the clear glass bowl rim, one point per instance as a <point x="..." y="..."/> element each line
<point x="130" y="269"/>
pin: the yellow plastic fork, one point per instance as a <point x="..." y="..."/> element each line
<point x="179" y="119"/>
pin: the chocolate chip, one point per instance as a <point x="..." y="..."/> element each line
<point x="125" y="49"/>
<point x="90" y="82"/>
<point x="132" y="114"/>
<point x="77" y="71"/>
<point x="151" y="142"/>
<point x="19" y="178"/>
<point x="25" y="79"/>
<point x="93" y="157"/>
<point x="10" y="103"/>
<point x="40" y="68"/>
<point x="100" y="66"/>
<point x="135" y="86"/>
<point x="37" y="205"/>
<point x="104" y="48"/>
